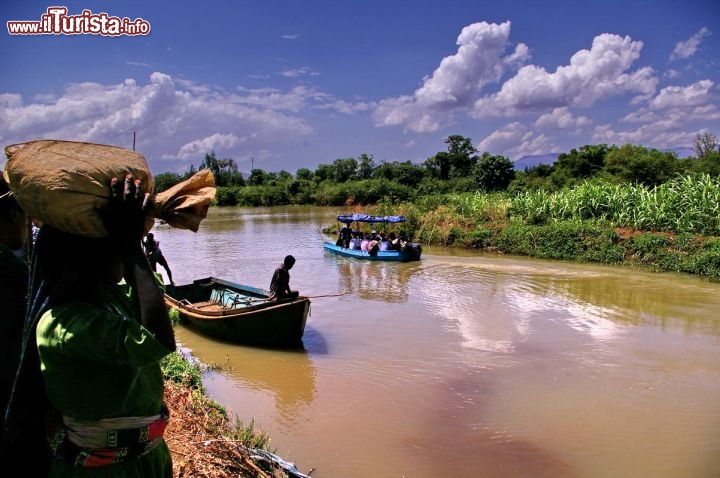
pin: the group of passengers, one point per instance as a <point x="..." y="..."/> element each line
<point x="371" y="242"/>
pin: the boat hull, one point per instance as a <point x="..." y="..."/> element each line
<point x="238" y="313"/>
<point x="409" y="254"/>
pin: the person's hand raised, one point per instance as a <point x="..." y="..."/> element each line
<point x="124" y="216"/>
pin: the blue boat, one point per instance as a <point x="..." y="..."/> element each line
<point x="410" y="251"/>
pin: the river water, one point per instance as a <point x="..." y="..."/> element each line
<point x="463" y="364"/>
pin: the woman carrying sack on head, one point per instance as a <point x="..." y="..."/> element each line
<point x="99" y="341"/>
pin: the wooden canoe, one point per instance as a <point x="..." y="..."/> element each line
<point x="238" y="313"/>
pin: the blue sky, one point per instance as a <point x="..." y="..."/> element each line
<point x="293" y="84"/>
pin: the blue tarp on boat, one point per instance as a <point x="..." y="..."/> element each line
<point x="348" y="218"/>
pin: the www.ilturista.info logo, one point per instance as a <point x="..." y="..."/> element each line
<point x="57" y="22"/>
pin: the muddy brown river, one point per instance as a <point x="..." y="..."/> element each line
<point x="464" y="364"/>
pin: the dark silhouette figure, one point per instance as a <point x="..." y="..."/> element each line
<point x="280" y="283"/>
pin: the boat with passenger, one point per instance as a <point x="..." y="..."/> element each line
<point x="239" y="313"/>
<point x="377" y="246"/>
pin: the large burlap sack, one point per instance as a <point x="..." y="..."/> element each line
<point x="65" y="183"/>
<point x="186" y="204"/>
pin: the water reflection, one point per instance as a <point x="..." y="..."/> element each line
<point x="288" y="374"/>
<point x="492" y="303"/>
<point x="372" y="280"/>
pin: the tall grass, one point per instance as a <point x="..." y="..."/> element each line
<point x="684" y="204"/>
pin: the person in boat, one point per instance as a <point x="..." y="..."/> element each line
<point x="392" y="240"/>
<point x="280" y="282"/>
<point x="98" y="330"/>
<point x="374" y="246"/>
<point x="344" y="237"/>
<point x="355" y="241"/>
<point x="384" y="244"/>
<point x="365" y="242"/>
<point x="155" y="255"/>
<point x="13" y="290"/>
<point x="401" y="242"/>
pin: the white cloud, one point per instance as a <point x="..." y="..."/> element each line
<point x="198" y="147"/>
<point x="687" y="48"/>
<point x="297" y="72"/>
<point x="345" y="107"/>
<point x="561" y="118"/>
<point x="683" y="97"/>
<point x="515" y="140"/>
<point x="673" y="118"/>
<point x="167" y="115"/>
<point x="295" y="99"/>
<point x="10" y="100"/>
<point x="592" y="75"/>
<point x="456" y="82"/>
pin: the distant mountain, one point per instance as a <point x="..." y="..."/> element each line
<point x="532" y="160"/>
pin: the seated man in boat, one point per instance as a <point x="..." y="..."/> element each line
<point x="280" y="283"/>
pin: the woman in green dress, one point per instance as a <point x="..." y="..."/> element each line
<point x="101" y="329"/>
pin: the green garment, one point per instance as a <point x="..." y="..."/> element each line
<point x="99" y="362"/>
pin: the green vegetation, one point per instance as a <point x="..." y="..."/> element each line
<point x="600" y="203"/>
<point x="180" y="370"/>
<point x="187" y="372"/>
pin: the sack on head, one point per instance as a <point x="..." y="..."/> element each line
<point x="65" y="183"/>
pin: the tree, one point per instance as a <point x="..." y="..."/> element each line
<point x="165" y="180"/>
<point x="404" y="173"/>
<point x="225" y="171"/>
<point x="257" y="177"/>
<point x="460" y="155"/>
<point x="304" y="174"/>
<point x="366" y="167"/>
<point x="324" y="172"/>
<point x="345" y="170"/>
<point x="583" y="163"/>
<point x="438" y="166"/>
<point x="637" y="164"/>
<point x="284" y="176"/>
<point x="493" y="172"/>
<point x="705" y="143"/>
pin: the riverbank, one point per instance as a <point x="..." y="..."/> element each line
<point x="203" y="440"/>
<point x="674" y="228"/>
<point x="577" y="241"/>
<point x="602" y="243"/>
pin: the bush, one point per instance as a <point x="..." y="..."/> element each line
<point x="178" y="369"/>
<point x="226" y="196"/>
<point x="480" y="238"/>
<point x="646" y="247"/>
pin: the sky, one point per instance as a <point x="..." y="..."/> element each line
<point x="283" y="85"/>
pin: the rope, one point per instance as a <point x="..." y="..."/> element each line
<point x="327" y="295"/>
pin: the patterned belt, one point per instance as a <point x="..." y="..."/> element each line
<point x="121" y="444"/>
